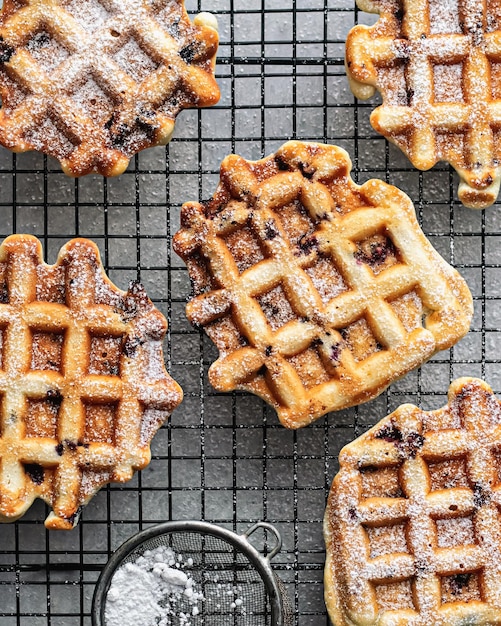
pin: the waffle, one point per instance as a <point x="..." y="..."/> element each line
<point x="318" y="293"/>
<point x="437" y="66"/>
<point x="413" y="526"/>
<point x="93" y="82"/>
<point x="83" y="385"/>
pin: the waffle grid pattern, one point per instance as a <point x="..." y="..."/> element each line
<point x="111" y="91"/>
<point x="430" y="110"/>
<point x="225" y="457"/>
<point x="342" y="217"/>
<point x="447" y="581"/>
<point x="66" y="462"/>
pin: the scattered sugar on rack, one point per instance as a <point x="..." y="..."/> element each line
<point x="153" y="589"/>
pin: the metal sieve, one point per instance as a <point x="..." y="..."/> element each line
<point x="237" y="581"/>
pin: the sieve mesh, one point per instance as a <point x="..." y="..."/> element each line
<point x="235" y="592"/>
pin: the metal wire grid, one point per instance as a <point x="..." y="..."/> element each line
<point x="225" y="458"/>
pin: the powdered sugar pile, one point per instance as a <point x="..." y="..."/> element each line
<point x="152" y="590"/>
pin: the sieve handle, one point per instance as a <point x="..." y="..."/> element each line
<point x="273" y="531"/>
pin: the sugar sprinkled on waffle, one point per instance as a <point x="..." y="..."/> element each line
<point x="93" y="82"/>
<point x="317" y="292"/>
<point x="412" y="526"/>
<point x="436" y="64"/>
<point x="83" y="385"/>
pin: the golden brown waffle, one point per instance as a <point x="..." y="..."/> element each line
<point x="437" y="66"/>
<point x="93" y="82"/>
<point x="413" y="525"/>
<point x="83" y="386"/>
<point x="318" y="293"/>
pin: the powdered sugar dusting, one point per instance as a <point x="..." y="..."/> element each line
<point x="151" y="421"/>
<point x="441" y="527"/>
<point x="90" y="14"/>
<point x="440" y="86"/>
<point x="133" y="60"/>
<point x="91" y="98"/>
<point x="444" y="16"/>
<point x="307" y="271"/>
<point x="455" y="532"/>
<point x="47" y="50"/>
<point x="226" y="595"/>
<point x="150" y="62"/>
<point x="84" y="367"/>
<point x="448" y="83"/>
<point x="155" y="369"/>
<point x="154" y="590"/>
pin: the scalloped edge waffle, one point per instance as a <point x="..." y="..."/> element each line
<point x="412" y="525"/>
<point x="83" y="386"/>
<point x="314" y="288"/>
<point x="92" y="88"/>
<point x="435" y="72"/>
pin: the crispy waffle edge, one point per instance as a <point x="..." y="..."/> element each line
<point x="142" y="329"/>
<point x="479" y="181"/>
<point x="105" y="149"/>
<point x="187" y="241"/>
<point x="334" y="592"/>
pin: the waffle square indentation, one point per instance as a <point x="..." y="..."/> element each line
<point x="297" y="224"/>
<point x="133" y="59"/>
<point x="310" y="367"/>
<point x="409" y="310"/>
<point x="244" y="247"/>
<point x="47" y="350"/>
<point x="381" y="482"/>
<point x="51" y="131"/>
<point x="47" y="50"/>
<point x="377" y="251"/>
<point x="448" y="474"/>
<point x="326" y="278"/>
<point x="444" y="16"/>
<point x="387" y="540"/>
<point x="41" y="417"/>
<point x="464" y="586"/>
<point x="91" y="98"/>
<point x="447" y="82"/>
<point x="455" y="532"/>
<point x="360" y="340"/>
<point x="395" y="595"/>
<point x="91" y="14"/>
<point x="100" y="422"/>
<point x="104" y="356"/>
<point x="276" y="307"/>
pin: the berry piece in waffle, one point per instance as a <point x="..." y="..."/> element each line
<point x="93" y="82"/>
<point x="317" y="292"/>
<point x="436" y="64"/>
<point x="83" y="387"/>
<point x="413" y="522"/>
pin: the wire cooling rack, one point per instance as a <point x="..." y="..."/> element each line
<point x="225" y="458"/>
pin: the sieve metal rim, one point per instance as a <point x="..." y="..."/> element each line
<point x="261" y="562"/>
